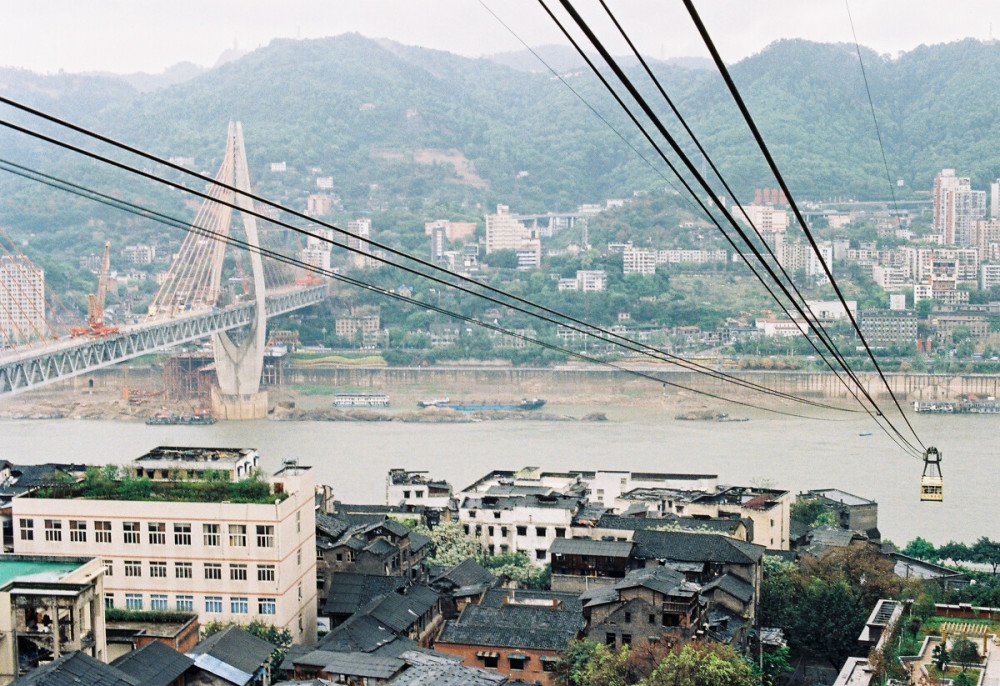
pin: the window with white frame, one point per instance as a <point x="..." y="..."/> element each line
<point x="102" y="531"/>
<point x="133" y="601"/>
<point x="53" y="529"/>
<point x="77" y="531"/>
<point x="211" y="534"/>
<point x="265" y="572"/>
<point x="213" y="570"/>
<point x="158" y="569"/>
<point x="27" y="527"/>
<point x="182" y="533"/>
<point x="182" y="570"/>
<point x="237" y="572"/>
<point x="158" y="601"/>
<point x="157" y="533"/>
<point x="266" y="606"/>
<point x="133" y="567"/>
<point x="131" y="532"/>
<point x="239" y="605"/>
<point x="185" y="603"/>
<point x="238" y="535"/>
<point x="213" y="603"/>
<point x="265" y="536"/>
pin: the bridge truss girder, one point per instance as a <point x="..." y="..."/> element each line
<point x="31" y="370"/>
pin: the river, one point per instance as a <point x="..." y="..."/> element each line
<point x="796" y="454"/>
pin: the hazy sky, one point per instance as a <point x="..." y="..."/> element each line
<point x="150" y="35"/>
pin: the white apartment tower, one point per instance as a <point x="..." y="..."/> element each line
<point x="504" y="232"/>
<point x="194" y="543"/>
<point x="22" y="300"/>
<point x="361" y="231"/>
<point x="956" y="208"/>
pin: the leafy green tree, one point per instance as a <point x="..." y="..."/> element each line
<point x="451" y="544"/>
<point x="776" y="663"/>
<point x="963" y="678"/>
<point x="987" y="552"/>
<point x="702" y="664"/>
<point x="965" y="652"/>
<point x="806" y="510"/>
<point x="502" y="259"/>
<point x="826" y="621"/>
<point x="921" y="549"/>
<point x="941" y="656"/>
<point x="924" y="607"/>
<point x="280" y="638"/>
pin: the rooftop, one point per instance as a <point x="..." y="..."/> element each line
<point x="76" y="668"/>
<point x="839" y="496"/>
<point x="187" y="457"/>
<point x="37" y="568"/>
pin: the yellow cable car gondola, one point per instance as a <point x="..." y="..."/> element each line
<point x="932" y="482"/>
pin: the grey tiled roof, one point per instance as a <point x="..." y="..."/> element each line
<point x="349" y="592"/>
<point x="684" y="546"/>
<point x="400" y="611"/>
<point x="362" y="665"/>
<point x="426" y="670"/>
<point x="466" y="573"/>
<point x="500" y="597"/>
<point x="733" y="585"/>
<point x="76" y="668"/>
<point x="587" y="546"/>
<point x="154" y="664"/>
<point x="237" y="648"/>
<point x="514" y="626"/>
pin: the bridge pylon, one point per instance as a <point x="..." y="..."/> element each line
<point x="238" y="365"/>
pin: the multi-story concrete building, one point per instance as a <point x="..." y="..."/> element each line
<point x="886" y="327"/>
<point x="764" y="217"/>
<point x="22" y="300"/>
<point x="990" y="276"/>
<point x="505" y="232"/>
<point x="638" y="261"/>
<point x="852" y="511"/>
<point x="196" y="530"/>
<point x="416" y="489"/>
<point x="52" y="605"/>
<point x="514" y="521"/>
<point x="361" y="231"/>
<point x="139" y="254"/>
<point x="956" y="208"/>
<point x="453" y="231"/>
<point x="318" y="204"/>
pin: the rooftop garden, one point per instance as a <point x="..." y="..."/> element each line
<point x="113" y="482"/>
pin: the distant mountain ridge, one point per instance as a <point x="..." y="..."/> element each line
<point x="361" y="109"/>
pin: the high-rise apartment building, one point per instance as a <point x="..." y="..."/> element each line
<point x="22" y="300"/>
<point x="361" y="231"/>
<point x="956" y="208"/>
<point x="193" y="530"/>
<point x="504" y="232"/>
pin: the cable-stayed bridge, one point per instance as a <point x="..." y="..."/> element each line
<point x="191" y="304"/>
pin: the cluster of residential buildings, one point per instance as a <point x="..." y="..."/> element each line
<point x="115" y="584"/>
<point x="22" y="300"/>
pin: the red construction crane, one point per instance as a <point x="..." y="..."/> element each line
<point x="95" y="306"/>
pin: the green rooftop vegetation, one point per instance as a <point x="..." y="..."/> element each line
<point x="112" y="482"/>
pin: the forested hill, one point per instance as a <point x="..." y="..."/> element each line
<point x="377" y="113"/>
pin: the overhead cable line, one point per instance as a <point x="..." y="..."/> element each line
<point x="690" y="201"/>
<point x="168" y="220"/>
<point x="871" y="104"/>
<point x="701" y="180"/>
<point x="577" y="325"/>
<point x="820" y="329"/>
<point x="734" y="91"/>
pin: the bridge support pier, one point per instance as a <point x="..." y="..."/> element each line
<point x="249" y="406"/>
<point x="238" y="366"/>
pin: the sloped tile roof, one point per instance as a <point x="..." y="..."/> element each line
<point x="154" y="664"/>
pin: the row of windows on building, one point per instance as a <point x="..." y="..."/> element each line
<point x="185" y="570"/>
<point x="156" y="532"/>
<point x="522" y="530"/>
<point x="238" y="605"/>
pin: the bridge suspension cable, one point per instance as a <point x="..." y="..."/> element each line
<point x="227" y="239"/>
<point x="574" y="324"/>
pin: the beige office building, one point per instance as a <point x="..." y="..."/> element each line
<point x="224" y="560"/>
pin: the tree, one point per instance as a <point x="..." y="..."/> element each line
<point x="451" y="544"/>
<point x="776" y="663"/>
<point x="924" y="607"/>
<point x="806" y="510"/>
<point x="941" y="656"/>
<point x="702" y="664"/>
<point x="826" y="621"/>
<point x="280" y="638"/>
<point x="921" y="549"/>
<point x="503" y="259"/>
<point x="987" y="552"/>
<point x="965" y="652"/>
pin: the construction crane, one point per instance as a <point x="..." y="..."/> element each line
<point x="95" y="305"/>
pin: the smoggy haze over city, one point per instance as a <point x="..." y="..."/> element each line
<point x="124" y="37"/>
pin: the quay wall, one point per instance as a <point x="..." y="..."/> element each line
<point x="564" y="381"/>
